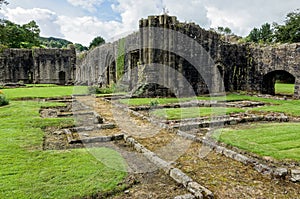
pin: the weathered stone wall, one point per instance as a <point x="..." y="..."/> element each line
<point x="56" y="66"/>
<point x="270" y="61"/>
<point x="15" y="65"/>
<point x="179" y="64"/>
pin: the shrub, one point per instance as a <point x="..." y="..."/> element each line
<point x="97" y="90"/>
<point x="3" y="100"/>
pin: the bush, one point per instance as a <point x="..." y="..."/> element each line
<point x="97" y="90"/>
<point x="3" y="100"/>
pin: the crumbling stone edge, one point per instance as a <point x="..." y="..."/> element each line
<point x="176" y="174"/>
<point x="292" y="175"/>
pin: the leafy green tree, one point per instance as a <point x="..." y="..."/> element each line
<point x="97" y="41"/>
<point x="225" y="31"/>
<point x="253" y="36"/>
<point x="80" y="47"/>
<point x="290" y="32"/>
<point x="263" y="35"/>
<point x="32" y="33"/>
<point x="266" y="33"/>
<point x="17" y="36"/>
<point x="286" y="33"/>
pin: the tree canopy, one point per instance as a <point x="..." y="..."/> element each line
<point x="97" y="41"/>
<point x="19" y="36"/>
<point x="13" y="35"/>
<point x="286" y="33"/>
<point x="225" y="31"/>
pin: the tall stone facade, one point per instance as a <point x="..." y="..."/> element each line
<point x="166" y="52"/>
<point x="55" y="66"/>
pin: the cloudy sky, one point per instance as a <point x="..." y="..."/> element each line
<point x="81" y="20"/>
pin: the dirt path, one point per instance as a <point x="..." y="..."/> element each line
<point x="225" y="177"/>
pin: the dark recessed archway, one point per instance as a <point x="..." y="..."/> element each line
<point x="62" y="77"/>
<point x="278" y="76"/>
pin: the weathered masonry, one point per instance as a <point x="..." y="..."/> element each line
<point x="55" y="66"/>
<point x="162" y="41"/>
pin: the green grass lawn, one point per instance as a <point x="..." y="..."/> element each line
<point x="44" y="91"/>
<point x="26" y="171"/>
<point x="193" y="112"/>
<point x="278" y="140"/>
<point x="162" y="101"/>
<point x="284" y="89"/>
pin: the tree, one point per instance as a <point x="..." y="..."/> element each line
<point x="19" y="36"/>
<point x="97" y="41"/>
<point x="225" y="31"/>
<point x="263" y="35"/>
<point x="266" y="33"/>
<point x="80" y="47"/>
<point x="290" y="32"/>
<point x="253" y="36"/>
<point x="286" y="33"/>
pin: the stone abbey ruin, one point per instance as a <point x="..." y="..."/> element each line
<point x="56" y="66"/>
<point x="164" y="53"/>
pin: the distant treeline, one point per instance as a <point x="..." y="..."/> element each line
<point x="14" y="35"/>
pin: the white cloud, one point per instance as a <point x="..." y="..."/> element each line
<point x="84" y="29"/>
<point x="242" y="16"/>
<point x="133" y="10"/>
<point x="89" y="5"/>
<point x="192" y="10"/>
<point x="44" y="18"/>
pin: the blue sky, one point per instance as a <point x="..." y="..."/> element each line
<point x="81" y="20"/>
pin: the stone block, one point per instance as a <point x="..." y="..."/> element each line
<point x="241" y="158"/>
<point x="199" y="191"/>
<point x="186" y="196"/>
<point x="180" y="177"/>
<point x="263" y="169"/>
<point x="295" y="175"/>
<point x="280" y="173"/>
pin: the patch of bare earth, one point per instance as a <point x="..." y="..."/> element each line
<point x="227" y="178"/>
<point x="154" y="185"/>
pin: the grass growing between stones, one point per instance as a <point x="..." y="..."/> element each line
<point x="278" y="140"/>
<point x="26" y="171"/>
<point x="193" y="112"/>
<point x="290" y="107"/>
<point x="284" y="89"/>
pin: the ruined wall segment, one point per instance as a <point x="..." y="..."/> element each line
<point x="55" y="66"/>
<point x="16" y="65"/>
<point x="245" y="67"/>
<point x="272" y="60"/>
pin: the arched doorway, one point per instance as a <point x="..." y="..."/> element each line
<point x="62" y="77"/>
<point x="278" y="82"/>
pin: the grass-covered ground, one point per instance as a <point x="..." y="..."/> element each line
<point x="26" y="171"/>
<point x="284" y="89"/>
<point x="193" y="112"/>
<point x="290" y="107"/>
<point x="44" y="91"/>
<point x="278" y="140"/>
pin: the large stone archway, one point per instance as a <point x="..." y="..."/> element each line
<point x="269" y="80"/>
